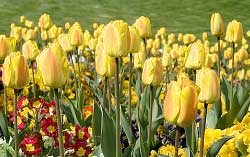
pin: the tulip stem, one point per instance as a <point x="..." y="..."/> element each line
<point x="109" y="95"/>
<point x="118" y="129"/>
<point x="232" y="74"/>
<point x="203" y="129"/>
<point x="15" y="124"/>
<point x="219" y="66"/>
<point x="59" y="123"/>
<point x="176" y="143"/>
<point x="129" y="87"/>
<point x="5" y="100"/>
<point x="104" y="102"/>
<point x="33" y="78"/>
<point x="74" y="70"/>
<point x="150" y="113"/>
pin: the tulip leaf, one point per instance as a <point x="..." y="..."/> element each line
<point x="244" y="109"/>
<point x="96" y="124"/>
<point x="242" y="94"/>
<point x="216" y="146"/>
<point x="93" y="85"/>
<point x="80" y="101"/>
<point x="227" y="119"/>
<point x="108" y="140"/>
<point x="4" y="126"/>
<point x="226" y="90"/>
<point x="191" y="139"/>
<point x="161" y="155"/>
<point x="127" y="127"/>
<point x="213" y="115"/>
<point x="143" y="107"/>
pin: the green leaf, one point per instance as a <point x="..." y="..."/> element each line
<point x="228" y="119"/>
<point x="4" y="126"/>
<point x="108" y="140"/>
<point x="96" y="123"/>
<point x="98" y="151"/>
<point x="242" y="94"/>
<point x="213" y="116"/>
<point x="226" y="90"/>
<point x="162" y="155"/>
<point x="244" y="109"/>
<point x="143" y="107"/>
<point x="80" y="101"/>
<point x="191" y="139"/>
<point x="216" y="146"/>
<point x="242" y="148"/>
<point x="72" y="113"/>
<point x="127" y="127"/>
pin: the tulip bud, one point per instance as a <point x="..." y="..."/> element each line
<point x="92" y="43"/>
<point x="63" y="40"/>
<point x="76" y="35"/>
<point x="228" y="53"/>
<point x="86" y="37"/>
<point x="105" y="65"/>
<point x="16" y="32"/>
<point x="188" y="38"/>
<point x="15" y="71"/>
<point x="53" y="32"/>
<point x="139" y="58"/>
<point x="180" y="105"/>
<point x="30" y="50"/>
<point x="5" y="46"/>
<point x="152" y="73"/>
<point x="234" y="32"/>
<point x="53" y="65"/>
<point x="135" y="39"/>
<point x="166" y="59"/>
<point x="180" y="37"/>
<point x="98" y="31"/>
<point x="208" y="82"/>
<point x="44" y="21"/>
<point x="44" y="35"/>
<point x="143" y="24"/>
<point x="171" y="38"/>
<point x="67" y="26"/>
<point x="195" y="57"/>
<point x="22" y="19"/>
<point x="29" y="24"/>
<point x="204" y="36"/>
<point x="116" y="39"/>
<point x="30" y="34"/>
<point x="217" y="25"/>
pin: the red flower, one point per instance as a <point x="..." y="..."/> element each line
<point x="81" y="134"/>
<point x="22" y="102"/>
<point x="32" y="144"/>
<point x="37" y="103"/>
<point x="49" y="127"/>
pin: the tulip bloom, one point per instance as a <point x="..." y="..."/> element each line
<point x="152" y="73"/>
<point x="15" y="71"/>
<point x="140" y="57"/>
<point x="195" y="57"/>
<point x="234" y="31"/>
<point x="75" y="35"/>
<point x="53" y="65"/>
<point x="116" y="39"/>
<point x="105" y="65"/>
<point x="208" y="82"/>
<point x="64" y="42"/>
<point x="5" y="46"/>
<point x="30" y="50"/>
<point x="44" y="21"/>
<point x="143" y="24"/>
<point x="135" y="39"/>
<point x="180" y="105"/>
<point x="217" y="25"/>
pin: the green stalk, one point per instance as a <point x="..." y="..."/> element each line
<point x="109" y="95"/>
<point x="219" y="56"/>
<point x="15" y="124"/>
<point x="5" y="100"/>
<point x="33" y="78"/>
<point x="104" y="102"/>
<point x="176" y="143"/>
<point x="59" y="123"/>
<point x="150" y="113"/>
<point x="193" y="140"/>
<point x="117" y="111"/>
<point x="75" y="79"/>
<point x="203" y="129"/>
<point x="129" y="87"/>
<point x="232" y="74"/>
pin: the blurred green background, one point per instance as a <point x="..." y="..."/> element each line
<point x="191" y="16"/>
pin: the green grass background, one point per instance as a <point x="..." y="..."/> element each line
<point x="191" y="16"/>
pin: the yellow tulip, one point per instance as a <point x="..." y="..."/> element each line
<point x="29" y="24"/>
<point x="44" y="21"/>
<point x="143" y="24"/>
<point x="30" y="34"/>
<point x="30" y="50"/>
<point x="22" y="19"/>
<point x="228" y="53"/>
<point x="152" y="72"/>
<point x="5" y="46"/>
<point x="204" y="36"/>
<point x="180" y="105"/>
<point x="98" y="31"/>
<point x="105" y="65"/>
<point x="139" y="58"/>
<point x="92" y="44"/>
<point x="208" y="81"/>
<point x="171" y="38"/>
<point x="195" y="56"/>
<point x="234" y="31"/>
<point x="76" y="35"/>
<point x="180" y="37"/>
<point x="64" y="42"/>
<point x="116" y="39"/>
<point x="53" y="65"/>
<point x="44" y="35"/>
<point x="16" y="32"/>
<point x="135" y="39"/>
<point x="217" y="25"/>
<point x="95" y="26"/>
<point x="67" y="26"/>
<point x="86" y="37"/>
<point x="15" y="71"/>
<point x="53" y="32"/>
<point x="188" y="38"/>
